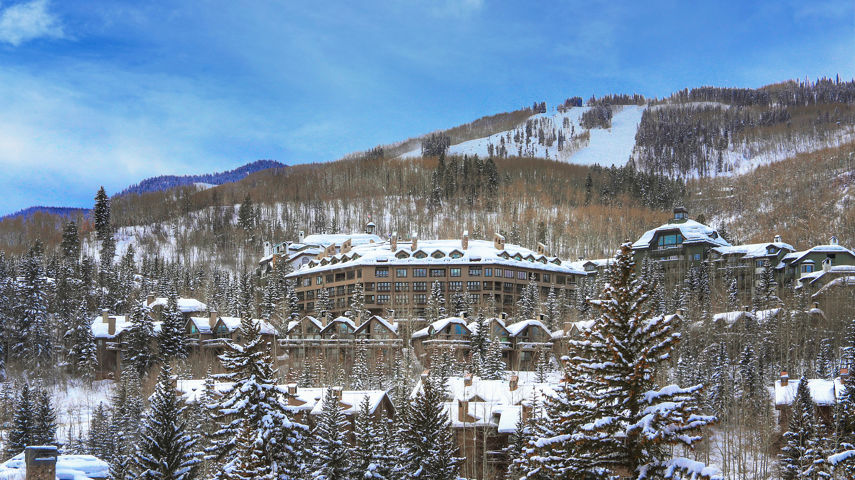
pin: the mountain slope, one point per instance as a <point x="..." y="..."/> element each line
<point x="165" y="182"/>
<point x="67" y="212"/>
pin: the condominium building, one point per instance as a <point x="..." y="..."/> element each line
<point x="399" y="276"/>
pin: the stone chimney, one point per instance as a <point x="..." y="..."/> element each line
<point x="777" y="239"/>
<point x="292" y="389"/>
<point x="467" y="379"/>
<point x="826" y="265"/>
<point x="149" y="299"/>
<point x="785" y="379"/>
<point x="498" y="241"/>
<point x="325" y="318"/>
<point x="393" y="241"/>
<point x="844" y="372"/>
<point x="415" y="244"/>
<point x="463" y="314"/>
<point x="110" y="321"/>
<point x="425" y="373"/>
<point x="526" y="412"/>
<point x="337" y="393"/>
<point x="681" y="312"/>
<point x="464" y="242"/>
<point x="542" y="317"/>
<point x="41" y="462"/>
<point x="513" y="383"/>
<point x="212" y="319"/>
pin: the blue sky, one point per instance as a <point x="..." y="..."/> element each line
<point x="110" y="92"/>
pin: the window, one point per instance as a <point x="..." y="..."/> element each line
<point x="473" y="286"/>
<point x="193" y="329"/>
<point x="331" y="291"/>
<point x="559" y="279"/>
<point x="301" y="296"/>
<point x="384" y="286"/>
<point x="420" y="299"/>
<point x="670" y="241"/>
<point x="420" y="272"/>
<point x="330" y="278"/>
<point x="401" y="272"/>
<point x="488" y="272"/>
<point x="696" y="257"/>
<point x="369" y="287"/>
<point x="382" y="299"/>
<point x="339" y="277"/>
<point x="369" y="299"/>
<point x="307" y="282"/>
<point x="402" y="287"/>
<point x="437" y="272"/>
<point x="474" y="271"/>
<point x="310" y="295"/>
<point x="807" y="268"/>
<point x="509" y="274"/>
<point x="473" y="298"/>
<point x="455" y="272"/>
<point x="521" y="276"/>
<point x="351" y="274"/>
<point x="498" y="272"/>
<point x="319" y="280"/>
<point x="547" y="278"/>
<point x="310" y="306"/>
<point x="509" y="287"/>
<point x="455" y="254"/>
<point x="420" y="286"/>
<point x="381" y="272"/>
<point x="458" y="329"/>
<point x="402" y="299"/>
<point x="437" y="254"/>
<point x="339" y="290"/>
<point x="455" y="286"/>
<point x="359" y="274"/>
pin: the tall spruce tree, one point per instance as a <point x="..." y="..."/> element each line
<point x="435" y="308"/>
<point x="83" y="352"/>
<point x="427" y="447"/>
<point x="330" y="450"/>
<point x="529" y="303"/>
<point x="368" y="459"/>
<point x="44" y="418"/>
<point x="23" y="423"/>
<point x="801" y="454"/>
<point x="31" y="332"/>
<point x="141" y="338"/>
<point x="101" y="215"/>
<point x="70" y="246"/>
<point x="171" y="339"/>
<point x="167" y="449"/>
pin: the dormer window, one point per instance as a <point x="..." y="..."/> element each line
<point x="437" y="254"/>
<point x="670" y="241"/>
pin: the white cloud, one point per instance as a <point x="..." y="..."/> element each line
<point x="27" y="21"/>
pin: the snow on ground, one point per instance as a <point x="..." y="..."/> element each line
<point x="611" y="146"/>
<point x="746" y="157"/>
<point x="75" y="403"/>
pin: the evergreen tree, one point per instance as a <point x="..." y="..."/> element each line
<point x="844" y="412"/>
<point x="141" y="337"/>
<point x="627" y="422"/>
<point x="552" y="310"/>
<point x="101" y="215"/>
<point x="31" y="335"/>
<point x="44" y="419"/>
<point x="124" y="423"/>
<point x="330" y="450"/>
<point x="323" y="305"/>
<point x="435" y="308"/>
<point x="478" y="345"/>
<point x="246" y="217"/>
<point x="543" y="366"/>
<point x="359" y="375"/>
<point x="800" y="457"/>
<point x="255" y="434"/>
<point x="367" y="457"/>
<point x="493" y="367"/>
<point x="721" y="382"/>
<point x="23" y="423"/>
<point x="171" y="338"/>
<point x="357" y="311"/>
<point x="166" y="449"/>
<point x="100" y="440"/>
<point x="83" y="352"/>
<point x="70" y="246"/>
<point x="824" y="359"/>
<point x="529" y="303"/>
<point x="427" y="449"/>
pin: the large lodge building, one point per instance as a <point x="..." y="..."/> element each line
<point x="399" y="276"/>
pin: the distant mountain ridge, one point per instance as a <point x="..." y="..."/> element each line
<point x="67" y="212"/>
<point x="165" y="182"/>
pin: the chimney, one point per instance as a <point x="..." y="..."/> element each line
<point x="292" y="389"/>
<point x="568" y="325"/>
<point x="393" y="241"/>
<point x="301" y="236"/>
<point x="681" y="312"/>
<point x="826" y="265"/>
<point x="212" y="319"/>
<point x="346" y="245"/>
<point x="325" y="318"/>
<point x="149" y="299"/>
<point x="467" y="379"/>
<point x="844" y="372"/>
<point x="503" y="315"/>
<point x="40" y="462"/>
<point x="542" y="249"/>
<point x="110" y="321"/>
<point x="415" y="245"/>
<point x="526" y="413"/>
<point x="337" y="393"/>
<point x="542" y="317"/>
<point x="465" y="241"/>
<point x="498" y="241"/>
<point x="785" y="379"/>
<point x="369" y="227"/>
<point x="463" y="411"/>
<point x="816" y="305"/>
<point x="513" y="383"/>
<point x="464" y="314"/>
<point x="833" y="240"/>
<point x="777" y="239"/>
<point x="425" y="373"/>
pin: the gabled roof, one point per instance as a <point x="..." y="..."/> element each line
<point x="823" y="392"/>
<point x="473" y="326"/>
<point x="392" y="327"/>
<point x="517" y="328"/>
<point x="327" y="239"/>
<point x="692" y="231"/>
<point x="350" y="400"/>
<point x="231" y="323"/>
<point x="753" y="250"/>
<point x="185" y="305"/>
<point x="440" y="325"/>
<point x="338" y="320"/>
<point x="826" y="249"/>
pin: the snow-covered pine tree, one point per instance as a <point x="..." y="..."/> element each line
<point x="493" y="367"/>
<point x="529" y="303"/>
<point x="367" y="454"/>
<point x="70" y="245"/>
<point x="329" y="440"/>
<point x="721" y="382"/>
<point x="356" y="309"/>
<point x="83" y="353"/>
<point x="100" y="440"/>
<point x="291" y="304"/>
<point x="427" y="447"/>
<point x="171" y="339"/>
<point x="824" y="359"/>
<point x="519" y="446"/>
<point x="435" y="308"/>
<point x="844" y="411"/>
<point x="141" y="337"/>
<point x="23" y="423"/>
<point x="44" y="418"/>
<point x="255" y="429"/>
<point x="322" y="303"/>
<point x="478" y="342"/>
<point x="101" y="215"/>
<point x="269" y="300"/>
<point x="633" y="421"/>
<point x="543" y="364"/>
<point x="167" y="449"/>
<point x="360" y="377"/>
<point x="127" y="410"/>
<point x="730" y="283"/>
<point x="203" y="422"/>
<point x="801" y="452"/>
<point x="31" y="336"/>
<point x="552" y="310"/>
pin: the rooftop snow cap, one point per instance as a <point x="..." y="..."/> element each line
<point x="777" y="239"/>
<point x="833" y="240"/>
<point x="680" y="214"/>
<point x="369" y="227"/>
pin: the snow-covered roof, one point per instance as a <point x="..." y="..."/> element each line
<point x="823" y="392"/>
<point x="753" y="250"/>
<point x="596" y="262"/>
<point x="441" y="253"/>
<point x="185" y="305"/>
<point x="847" y="281"/>
<point x="100" y="329"/>
<point x="391" y="326"/>
<point x="763" y="315"/>
<point x="232" y="323"/>
<point x="343" y="320"/>
<point x="798" y="256"/>
<point x="692" y="231"/>
<point x="191" y="390"/>
<point x="517" y="328"/>
<point x="473" y="326"/>
<point x="729" y="318"/>
<point x="439" y="325"/>
<point x="350" y="400"/>
<point x="327" y="239"/>
<point x="72" y="467"/>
